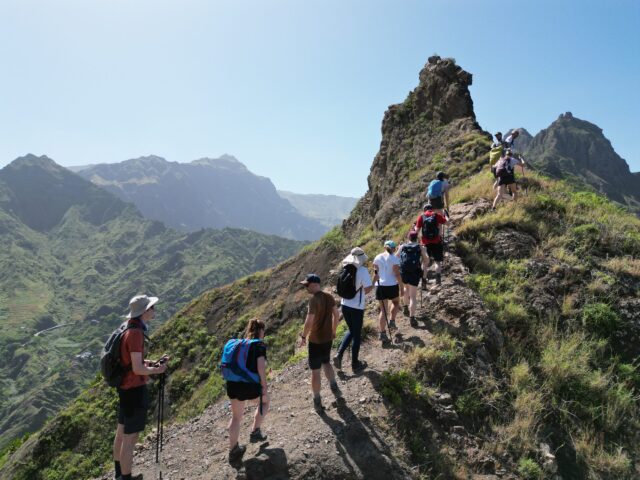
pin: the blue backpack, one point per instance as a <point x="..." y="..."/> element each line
<point x="435" y="189"/>
<point x="234" y="361"/>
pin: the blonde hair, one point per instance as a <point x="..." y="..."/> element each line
<point x="253" y="328"/>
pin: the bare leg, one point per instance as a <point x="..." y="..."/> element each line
<point x="328" y="372"/>
<point x="412" y="299"/>
<point x="382" y="322"/>
<point x="237" y="410"/>
<point x="407" y="296"/>
<point x="315" y="382"/>
<point x="514" y="190"/>
<point x="117" y="442"/>
<point x="126" y="452"/>
<point x="395" y="306"/>
<point x="257" y="418"/>
<point x="498" y="196"/>
<point x="438" y="267"/>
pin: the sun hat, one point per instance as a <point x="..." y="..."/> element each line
<point x="390" y="244"/>
<point x="311" y="278"/>
<point x="356" y="257"/>
<point x="140" y="304"/>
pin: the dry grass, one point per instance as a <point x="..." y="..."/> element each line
<point x="623" y="265"/>
<point x="600" y="462"/>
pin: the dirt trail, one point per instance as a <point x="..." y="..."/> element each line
<point x="354" y="439"/>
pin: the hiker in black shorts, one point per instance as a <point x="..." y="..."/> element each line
<point x="413" y="258"/>
<point x="387" y="276"/>
<point x="240" y="392"/>
<point x="505" y="173"/>
<point x="320" y="327"/>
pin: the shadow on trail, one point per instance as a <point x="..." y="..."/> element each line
<point x="268" y="464"/>
<point x="363" y="452"/>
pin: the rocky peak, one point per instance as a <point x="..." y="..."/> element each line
<point x="228" y="162"/>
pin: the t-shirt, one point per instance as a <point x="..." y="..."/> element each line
<point x="132" y="341"/>
<point x="321" y="306"/>
<point x="512" y="163"/>
<point x="509" y="141"/>
<point x="428" y="241"/>
<point x="256" y="350"/>
<point x="363" y="280"/>
<point x="385" y="262"/>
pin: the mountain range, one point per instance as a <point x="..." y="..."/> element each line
<point x="216" y="193"/>
<point x="72" y="255"/>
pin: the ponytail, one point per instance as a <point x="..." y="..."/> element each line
<point x="253" y="328"/>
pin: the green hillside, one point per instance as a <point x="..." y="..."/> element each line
<point x="83" y="256"/>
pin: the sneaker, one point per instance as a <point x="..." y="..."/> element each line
<point x="383" y="337"/>
<point x="236" y="453"/>
<point x="337" y="362"/>
<point x="405" y="310"/>
<point x="392" y="325"/>
<point x="413" y="322"/>
<point x="335" y="388"/>
<point x="438" y="279"/>
<point x="358" y="367"/>
<point x="257" y="436"/>
<point x="317" y="404"/>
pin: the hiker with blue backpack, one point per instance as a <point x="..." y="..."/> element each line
<point x="244" y="367"/>
<point x="412" y="258"/>
<point x="438" y="192"/>
<point x="320" y="328"/>
<point x="505" y="174"/>
<point x="354" y="282"/>
<point x="428" y="224"/>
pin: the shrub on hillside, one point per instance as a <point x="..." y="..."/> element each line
<point x="599" y="318"/>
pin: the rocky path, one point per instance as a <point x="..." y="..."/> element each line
<point x="353" y="439"/>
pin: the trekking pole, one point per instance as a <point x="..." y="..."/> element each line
<point x="160" y="426"/>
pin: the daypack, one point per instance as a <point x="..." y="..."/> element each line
<point x="495" y="154"/>
<point x="503" y="167"/>
<point x="410" y="258"/>
<point x="110" y="361"/>
<point x="234" y="361"/>
<point x="430" y="227"/>
<point x="346" y="284"/>
<point x="435" y="189"/>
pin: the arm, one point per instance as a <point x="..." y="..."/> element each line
<point x="446" y="199"/>
<point x="336" y="320"/>
<point x="396" y="272"/>
<point x="139" y="368"/>
<point x="262" y="371"/>
<point x="307" y="329"/>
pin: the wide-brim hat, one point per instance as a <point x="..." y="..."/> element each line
<point x="356" y="257"/>
<point x="140" y="304"/>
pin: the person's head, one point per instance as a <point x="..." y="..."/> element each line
<point x="413" y="236"/>
<point x="515" y="133"/>
<point x="311" y="282"/>
<point x="390" y="246"/>
<point x="441" y="176"/>
<point x="141" y="307"/>
<point x="498" y="136"/>
<point x="357" y="257"/>
<point x="427" y="207"/>
<point x="255" y="329"/>
<point x="509" y="152"/>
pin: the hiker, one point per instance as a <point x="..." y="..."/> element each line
<point x="133" y="396"/>
<point x="244" y="366"/>
<point x="428" y="224"/>
<point x="511" y="138"/>
<point x="438" y="192"/>
<point x="320" y="328"/>
<point x="506" y="176"/>
<point x="412" y="258"/>
<point x="498" y="142"/>
<point x="389" y="286"/>
<point x="353" y="285"/>
<point x="496" y="152"/>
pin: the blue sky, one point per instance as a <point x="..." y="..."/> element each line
<point x="297" y="89"/>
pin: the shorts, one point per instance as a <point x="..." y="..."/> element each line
<point x="435" y="251"/>
<point x="411" y="278"/>
<point x="507" y="180"/>
<point x="243" y="390"/>
<point x="387" y="292"/>
<point x="132" y="408"/>
<point x="319" y="354"/>
<point x="437" y="203"/>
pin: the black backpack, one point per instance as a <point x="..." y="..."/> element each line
<point x="430" y="227"/>
<point x="347" y="281"/>
<point x="410" y="259"/>
<point x="110" y="366"/>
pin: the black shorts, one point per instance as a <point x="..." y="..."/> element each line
<point x="411" y="278"/>
<point x="437" y="203"/>
<point x="243" y="390"/>
<point x="319" y="354"/>
<point x="389" y="292"/>
<point x="507" y="180"/>
<point x="435" y="251"/>
<point x="132" y="408"/>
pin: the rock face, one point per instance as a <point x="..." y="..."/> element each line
<point x="571" y="147"/>
<point x="206" y="193"/>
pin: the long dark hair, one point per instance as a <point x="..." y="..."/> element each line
<point x="253" y="328"/>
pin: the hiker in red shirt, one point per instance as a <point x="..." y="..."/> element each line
<point x="132" y="392"/>
<point x="428" y="224"/>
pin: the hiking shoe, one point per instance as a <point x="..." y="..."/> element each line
<point x="358" y="367"/>
<point x="405" y="310"/>
<point x="337" y="362"/>
<point x="335" y="388"/>
<point x="236" y="453"/>
<point x="392" y="325"/>
<point x="413" y="322"/>
<point x="257" y="436"/>
<point x="383" y="337"/>
<point x="438" y="279"/>
<point x="136" y="477"/>
<point x="317" y="404"/>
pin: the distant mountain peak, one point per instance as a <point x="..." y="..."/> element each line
<point x="31" y="160"/>
<point x="224" y="161"/>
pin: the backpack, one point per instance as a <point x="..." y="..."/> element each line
<point x="111" y="366"/>
<point x="234" y="361"/>
<point x="495" y="154"/>
<point x="430" y="227"/>
<point x="346" y="285"/>
<point x="503" y="167"/>
<point x="435" y="189"/>
<point x="410" y="259"/>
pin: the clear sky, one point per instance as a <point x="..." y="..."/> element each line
<point x="296" y="89"/>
